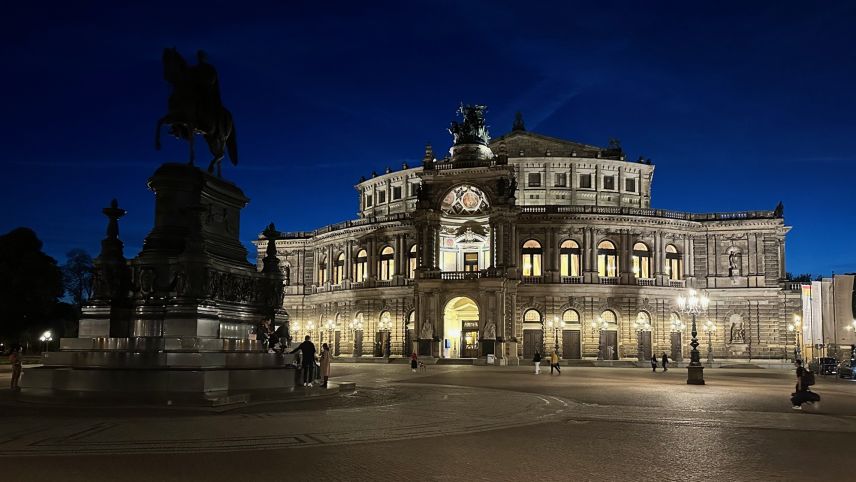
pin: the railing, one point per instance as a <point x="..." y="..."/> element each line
<point x="793" y="285"/>
<point x="383" y="283"/>
<point x="677" y="283"/>
<point x="532" y="280"/>
<point x="460" y="275"/>
<point x="609" y="280"/>
<point x="572" y="280"/>
<point x="658" y="213"/>
<point x="646" y="281"/>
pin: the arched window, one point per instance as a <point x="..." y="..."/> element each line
<point x="532" y="316"/>
<point x="609" y="317"/>
<point x="532" y="253"/>
<point x="569" y="258"/>
<point x="677" y="325"/>
<point x="384" y="321"/>
<point x="674" y="263"/>
<point x="322" y="271"/>
<point x="339" y="269"/>
<point x="386" y="264"/>
<point x="607" y="260"/>
<point x="360" y="265"/>
<point x="641" y="261"/>
<point x="571" y="317"/>
<point x="411" y="271"/>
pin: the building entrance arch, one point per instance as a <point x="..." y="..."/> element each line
<point x="461" y="328"/>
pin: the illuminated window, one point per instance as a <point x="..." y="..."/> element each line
<point x="412" y="268"/>
<point x="339" y="269"/>
<point x="362" y="261"/>
<point x="609" y="317"/>
<point x="532" y="316"/>
<point x="569" y="258"/>
<point x="386" y="263"/>
<point x="674" y="263"/>
<point x="532" y="253"/>
<point x="471" y="262"/>
<point x="571" y="317"/>
<point x="607" y="260"/>
<point x="641" y="261"/>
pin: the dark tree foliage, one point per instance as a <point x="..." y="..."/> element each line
<point x="77" y="276"/>
<point x="805" y="277"/>
<point x="30" y="283"/>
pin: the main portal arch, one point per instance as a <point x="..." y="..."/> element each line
<point x="461" y="328"/>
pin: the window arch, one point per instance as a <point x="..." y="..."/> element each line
<point x="532" y="254"/>
<point x="384" y="321"/>
<point x="386" y="263"/>
<point x="607" y="260"/>
<point x="339" y="269"/>
<point x="532" y="316"/>
<point x="571" y="317"/>
<point x="641" y="260"/>
<point x="675" y="322"/>
<point x="569" y="258"/>
<point x="674" y="263"/>
<point x="609" y="317"/>
<point x="322" y="270"/>
<point x="411" y="269"/>
<point x="360" y="264"/>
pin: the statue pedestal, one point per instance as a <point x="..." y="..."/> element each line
<point x="186" y="329"/>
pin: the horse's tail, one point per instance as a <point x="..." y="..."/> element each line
<point x="232" y="141"/>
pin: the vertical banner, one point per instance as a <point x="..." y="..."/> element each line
<point x="816" y="312"/>
<point x="805" y="290"/>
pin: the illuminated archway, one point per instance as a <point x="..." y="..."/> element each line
<point x="461" y="328"/>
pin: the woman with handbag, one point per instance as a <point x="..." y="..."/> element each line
<point x="326" y="358"/>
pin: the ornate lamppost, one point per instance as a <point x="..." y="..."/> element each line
<point x="642" y="325"/>
<point x="794" y="326"/>
<point x="331" y="326"/>
<point x="385" y="326"/>
<point x="709" y="328"/>
<point x="556" y="324"/>
<point x="694" y="303"/>
<point x="46" y="338"/>
<point x="356" y="325"/>
<point x="600" y="325"/>
<point x="310" y="327"/>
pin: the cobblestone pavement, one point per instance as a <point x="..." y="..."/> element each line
<point x="456" y="423"/>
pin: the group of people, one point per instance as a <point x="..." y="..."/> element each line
<point x="554" y="362"/>
<point x="308" y="357"/>
<point x="665" y="359"/>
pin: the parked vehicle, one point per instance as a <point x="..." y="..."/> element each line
<point x="845" y="370"/>
<point x="824" y="366"/>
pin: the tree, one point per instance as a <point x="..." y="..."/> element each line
<point x="805" y="277"/>
<point x="77" y="276"/>
<point x="30" y="282"/>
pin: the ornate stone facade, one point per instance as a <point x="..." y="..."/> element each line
<point x="554" y="244"/>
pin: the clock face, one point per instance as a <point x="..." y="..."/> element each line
<point x="464" y="200"/>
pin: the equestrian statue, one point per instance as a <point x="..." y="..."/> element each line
<point x="195" y="108"/>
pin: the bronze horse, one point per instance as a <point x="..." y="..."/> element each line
<point x="195" y="108"/>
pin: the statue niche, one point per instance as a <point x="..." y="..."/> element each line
<point x="735" y="261"/>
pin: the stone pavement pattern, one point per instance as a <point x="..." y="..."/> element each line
<point x="457" y="423"/>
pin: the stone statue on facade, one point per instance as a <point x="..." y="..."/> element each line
<point x="427" y="331"/>
<point x="490" y="331"/>
<point x="195" y="107"/>
<point x="733" y="263"/>
<point x="738" y="333"/>
<point x="472" y="129"/>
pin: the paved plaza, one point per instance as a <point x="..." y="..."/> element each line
<point x="455" y="423"/>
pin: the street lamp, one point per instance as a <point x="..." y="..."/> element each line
<point x="331" y="326"/>
<point x="709" y="328"/>
<point x="385" y="325"/>
<point x="794" y="326"/>
<point x="694" y="303"/>
<point x="642" y="324"/>
<point x="46" y="338"/>
<point x="310" y="327"/>
<point x="556" y="324"/>
<point x="600" y="325"/>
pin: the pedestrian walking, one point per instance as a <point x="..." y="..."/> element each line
<point x="414" y="362"/>
<point x="17" y="366"/>
<point x="554" y="362"/>
<point x="326" y="358"/>
<point x="307" y="360"/>
<point x="665" y="362"/>
<point x="537" y="361"/>
<point x="654" y="363"/>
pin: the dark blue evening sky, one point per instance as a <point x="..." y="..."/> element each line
<point x="739" y="104"/>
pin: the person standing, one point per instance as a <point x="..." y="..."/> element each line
<point x="537" y="361"/>
<point x="554" y="362"/>
<point x="654" y="363"/>
<point x="325" y="363"/>
<point x="307" y="360"/>
<point x="665" y="362"/>
<point x="17" y="365"/>
<point x="414" y="362"/>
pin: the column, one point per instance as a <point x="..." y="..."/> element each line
<point x="349" y="253"/>
<point x="687" y="253"/>
<point x="330" y="263"/>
